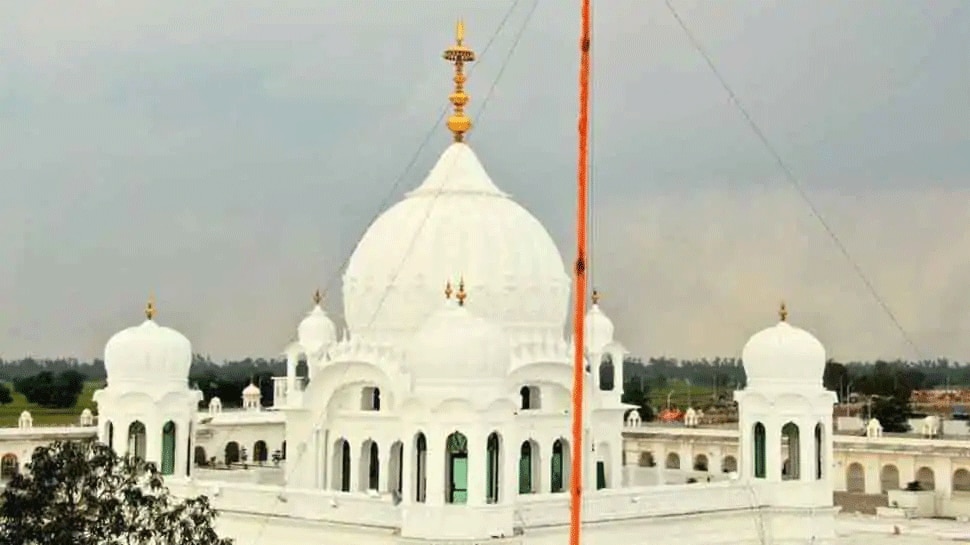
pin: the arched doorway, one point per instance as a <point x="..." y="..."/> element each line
<point x="673" y="461"/>
<point x="926" y="478"/>
<point x="729" y="464"/>
<point x="700" y="462"/>
<point x="889" y="478"/>
<point x="341" y="466"/>
<point x="199" y="456"/>
<point x="420" y="468"/>
<point x="760" y="465"/>
<point x="792" y="470"/>
<point x="560" y="465"/>
<point x="370" y="466"/>
<point x="528" y="476"/>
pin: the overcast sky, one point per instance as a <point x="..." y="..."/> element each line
<point x="227" y="156"/>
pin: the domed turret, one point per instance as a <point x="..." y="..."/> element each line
<point x="454" y="344"/>
<point x="147" y="354"/>
<point x="599" y="327"/>
<point x="317" y="330"/>
<point x="783" y="354"/>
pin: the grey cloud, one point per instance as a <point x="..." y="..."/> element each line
<point x="227" y="156"/>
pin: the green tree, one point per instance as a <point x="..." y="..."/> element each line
<point x="83" y="494"/>
<point x="892" y="412"/>
<point x="5" y="396"/>
<point x="635" y="392"/>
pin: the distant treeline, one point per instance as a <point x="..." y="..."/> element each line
<point x="227" y="379"/>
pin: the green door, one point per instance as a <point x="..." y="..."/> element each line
<point x="459" y="479"/>
<point x="168" y="448"/>
<point x="600" y="475"/>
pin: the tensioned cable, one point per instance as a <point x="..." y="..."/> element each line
<point x="480" y="114"/>
<point x="392" y="192"/>
<point x="790" y="176"/>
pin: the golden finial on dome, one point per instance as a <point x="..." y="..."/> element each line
<point x="448" y="290"/>
<point x="595" y="297"/>
<point x="459" y="54"/>
<point x="150" y="308"/>
<point x="317" y="297"/>
<point x="461" y="295"/>
<point x="783" y="312"/>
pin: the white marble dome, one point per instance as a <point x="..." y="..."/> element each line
<point x="148" y="354"/>
<point x="598" y="329"/>
<point x="783" y="354"/>
<point x="457" y="221"/>
<point x="455" y="344"/>
<point x="251" y="391"/>
<point x="316" y="331"/>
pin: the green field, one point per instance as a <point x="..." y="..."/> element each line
<point x="681" y="395"/>
<point x="10" y="413"/>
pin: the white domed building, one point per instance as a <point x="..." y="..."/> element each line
<point x="147" y="409"/>
<point x="442" y="413"/>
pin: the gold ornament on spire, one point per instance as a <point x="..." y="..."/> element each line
<point x="150" y="308"/>
<point x="595" y="297"/>
<point x="448" y="290"/>
<point x="461" y="295"/>
<point x="783" y="312"/>
<point x="317" y="297"/>
<point x="459" y="54"/>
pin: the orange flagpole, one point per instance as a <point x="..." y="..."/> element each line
<point x="579" y="303"/>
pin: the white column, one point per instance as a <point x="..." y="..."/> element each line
<point x="508" y="488"/>
<point x="807" y="454"/>
<point x="616" y="464"/>
<point x="153" y="441"/>
<point x="660" y="459"/>
<point x="291" y="361"/>
<point x="435" y="469"/>
<point x="477" y="467"/>
<point x="773" y="450"/>
<point x="356" y="456"/>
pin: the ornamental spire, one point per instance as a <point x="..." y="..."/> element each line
<point x="595" y="297"/>
<point x="448" y="290"/>
<point x="150" y="308"/>
<point x="317" y="297"/>
<point x="783" y="312"/>
<point x="459" y="54"/>
<point x="461" y="295"/>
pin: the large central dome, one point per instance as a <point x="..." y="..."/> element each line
<point x="455" y="223"/>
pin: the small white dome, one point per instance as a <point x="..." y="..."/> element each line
<point x="251" y="390"/>
<point x="316" y="331"/>
<point x="454" y="344"/>
<point x="148" y="354"/>
<point x="783" y="354"/>
<point x="599" y="327"/>
<point x="86" y="412"/>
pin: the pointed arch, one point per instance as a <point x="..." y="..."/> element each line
<point x="790" y="443"/>
<point x="560" y="465"/>
<point x="493" y="465"/>
<point x="136" y="440"/>
<point x="232" y="452"/>
<point x="760" y="437"/>
<point x="168" y="448"/>
<point x="607" y="373"/>
<point x="9" y="466"/>
<point x="260" y="452"/>
<point x="528" y="467"/>
<point x="370" y="466"/>
<point x="109" y="431"/>
<point x="855" y="478"/>
<point x="889" y="478"/>
<point x="456" y="468"/>
<point x="420" y="466"/>
<point x="819" y="451"/>
<point x="340" y="476"/>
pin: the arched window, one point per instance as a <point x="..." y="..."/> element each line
<point x="420" y="468"/>
<point x="493" y="463"/>
<point x="345" y="466"/>
<point x="168" y="448"/>
<point x="9" y="466"/>
<point x="926" y="478"/>
<point x="136" y="440"/>
<point x="790" y="444"/>
<point x="260" y="452"/>
<point x="199" y="456"/>
<point x="283" y="449"/>
<point x="109" y="431"/>
<point x="729" y="464"/>
<point x="961" y="480"/>
<point x="370" y="466"/>
<point x="855" y="478"/>
<point x="395" y="471"/>
<point x="528" y="476"/>
<point x="607" y="373"/>
<point x="819" y="451"/>
<point x="232" y="452"/>
<point x="560" y="466"/>
<point x="370" y="399"/>
<point x="188" y="451"/>
<point x="760" y="469"/>
<point x="889" y="478"/>
<point x="673" y="461"/>
<point x="530" y="399"/>
<point x="456" y="468"/>
<point x="646" y="459"/>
